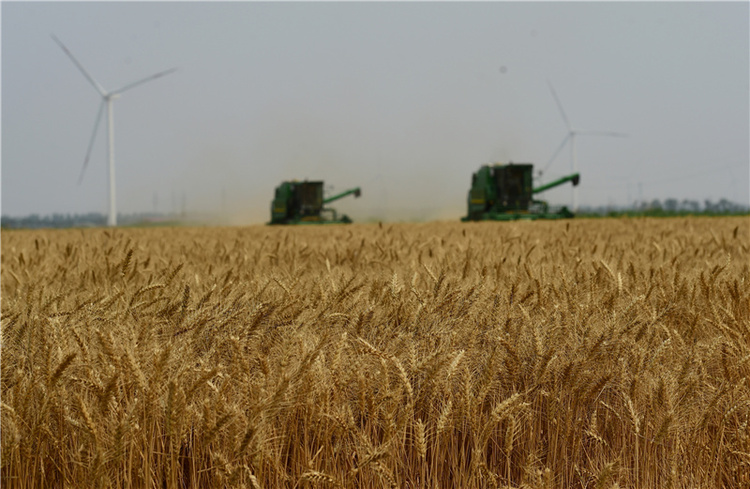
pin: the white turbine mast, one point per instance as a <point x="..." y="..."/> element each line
<point x="571" y="136"/>
<point x="107" y="99"/>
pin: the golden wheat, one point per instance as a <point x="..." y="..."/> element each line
<point x="586" y="353"/>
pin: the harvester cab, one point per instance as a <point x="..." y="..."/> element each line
<point x="303" y="203"/>
<point x="505" y="192"/>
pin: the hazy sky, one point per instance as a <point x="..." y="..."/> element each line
<point x="405" y="100"/>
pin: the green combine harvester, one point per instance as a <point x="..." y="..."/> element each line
<point x="505" y="193"/>
<point x="302" y="203"/>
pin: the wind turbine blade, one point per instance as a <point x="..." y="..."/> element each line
<point x="559" y="105"/>
<point x="141" y="82"/>
<point x="557" y="152"/>
<point x="80" y="67"/>
<point x="91" y="142"/>
<point x="603" y="133"/>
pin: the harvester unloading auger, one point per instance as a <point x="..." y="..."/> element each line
<point x="302" y="203"/>
<point x="504" y="193"/>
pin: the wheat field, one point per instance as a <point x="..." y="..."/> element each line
<point x="569" y="354"/>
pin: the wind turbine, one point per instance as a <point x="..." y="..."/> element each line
<point x="107" y="99"/>
<point x="571" y="136"/>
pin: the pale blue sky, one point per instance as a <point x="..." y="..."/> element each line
<point x="403" y="99"/>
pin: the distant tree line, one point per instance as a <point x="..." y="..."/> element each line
<point x="670" y="207"/>
<point x="92" y="219"/>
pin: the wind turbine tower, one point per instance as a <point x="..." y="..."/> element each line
<point x="571" y="136"/>
<point x="107" y="99"/>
